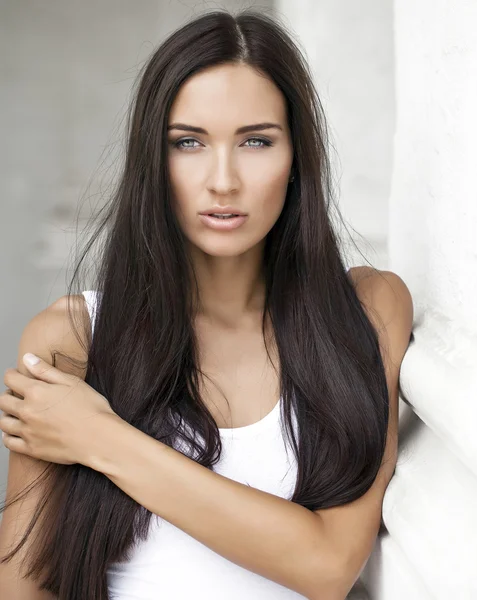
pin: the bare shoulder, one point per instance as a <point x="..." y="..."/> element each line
<point x="387" y="301"/>
<point x="353" y="527"/>
<point x="389" y="306"/>
<point x="59" y="329"/>
<point x="48" y="334"/>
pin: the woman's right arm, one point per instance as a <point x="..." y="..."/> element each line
<point x="48" y="329"/>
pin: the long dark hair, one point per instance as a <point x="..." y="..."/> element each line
<point x="143" y="355"/>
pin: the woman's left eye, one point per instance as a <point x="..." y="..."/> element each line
<point x="265" y="142"/>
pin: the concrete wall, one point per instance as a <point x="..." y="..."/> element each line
<point x="430" y="512"/>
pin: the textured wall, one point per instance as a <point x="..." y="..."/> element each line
<point x="430" y="506"/>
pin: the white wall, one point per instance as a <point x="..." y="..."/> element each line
<point x="429" y="548"/>
<point x="349" y="46"/>
<point x="430" y="508"/>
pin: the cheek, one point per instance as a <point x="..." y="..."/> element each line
<point x="273" y="199"/>
<point x="183" y="193"/>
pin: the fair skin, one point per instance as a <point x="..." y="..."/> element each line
<point x="318" y="554"/>
<point x="222" y="168"/>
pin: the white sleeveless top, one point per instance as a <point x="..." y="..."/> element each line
<point x="172" y="565"/>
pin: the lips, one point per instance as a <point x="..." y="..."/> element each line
<point x="215" y="214"/>
<point x="225" y="210"/>
<point x="221" y="224"/>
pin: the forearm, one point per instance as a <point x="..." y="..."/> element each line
<point x="261" y="532"/>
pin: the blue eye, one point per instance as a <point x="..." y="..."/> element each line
<point x="180" y="146"/>
<point x="179" y="143"/>
<point x="265" y="142"/>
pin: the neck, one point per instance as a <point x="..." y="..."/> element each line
<point x="231" y="289"/>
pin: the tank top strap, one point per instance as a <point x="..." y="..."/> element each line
<point x="91" y="299"/>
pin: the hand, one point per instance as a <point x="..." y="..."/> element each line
<point x="56" y="419"/>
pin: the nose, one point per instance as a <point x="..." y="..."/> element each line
<point x="223" y="178"/>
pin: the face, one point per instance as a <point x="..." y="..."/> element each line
<point x="220" y="166"/>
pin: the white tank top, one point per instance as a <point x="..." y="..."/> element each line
<point x="172" y="565"/>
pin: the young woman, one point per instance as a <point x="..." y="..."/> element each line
<point x="230" y="428"/>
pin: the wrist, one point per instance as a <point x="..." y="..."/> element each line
<point x="107" y="430"/>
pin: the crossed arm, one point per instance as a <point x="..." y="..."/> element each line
<point x="318" y="554"/>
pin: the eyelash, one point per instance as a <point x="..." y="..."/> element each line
<point x="178" y="143"/>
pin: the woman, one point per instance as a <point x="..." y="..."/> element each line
<point x="230" y="428"/>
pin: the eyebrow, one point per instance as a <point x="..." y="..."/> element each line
<point x="244" y="129"/>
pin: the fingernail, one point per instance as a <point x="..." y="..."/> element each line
<point x="31" y="359"/>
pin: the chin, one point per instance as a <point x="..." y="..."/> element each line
<point x="227" y="248"/>
<point x="223" y="251"/>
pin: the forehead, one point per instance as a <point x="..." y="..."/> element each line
<point x="234" y="94"/>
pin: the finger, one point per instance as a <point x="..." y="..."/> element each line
<point x="16" y="381"/>
<point x="10" y="425"/>
<point x="10" y="405"/>
<point x="15" y="444"/>
<point x="41" y="369"/>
